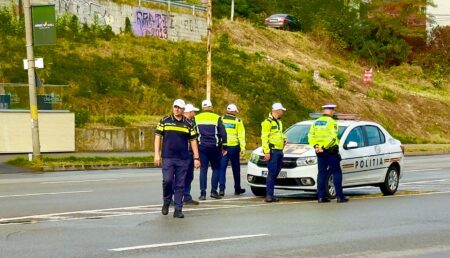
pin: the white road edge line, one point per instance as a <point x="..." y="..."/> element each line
<point x="107" y="209"/>
<point x="428" y="181"/>
<point x="39" y="194"/>
<point x="422" y="170"/>
<point x="194" y="209"/>
<point x="78" y="181"/>
<point x="186" y="242"/>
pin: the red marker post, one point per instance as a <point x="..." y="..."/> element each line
<point x="368" y="76"/>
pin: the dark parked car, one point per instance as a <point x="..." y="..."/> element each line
<point x="282" y="21"/>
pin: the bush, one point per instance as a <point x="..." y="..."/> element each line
<point x="82" y="117"/>
<point x="118" y="120"/>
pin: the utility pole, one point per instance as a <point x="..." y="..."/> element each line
<point x="32" y="81"/>
<point x="208" y="47"/>
<point x="232" y="10"/>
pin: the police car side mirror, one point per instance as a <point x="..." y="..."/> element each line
<point x="351" y="145"/>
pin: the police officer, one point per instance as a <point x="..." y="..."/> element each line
<point x="212" y="140"/>
<point x="323" y="136"/>
<point x="175" y="133"/>
<point x="235" y="146"/>
<point x="189" y="113"/>
<point x="273" y="141"/>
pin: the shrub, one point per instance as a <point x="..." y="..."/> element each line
<point x="118" y="120"/>
<point x="82" y="117"/>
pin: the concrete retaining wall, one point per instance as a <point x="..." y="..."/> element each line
<point x="159" y="23"/>
<point x="118" y="139"/>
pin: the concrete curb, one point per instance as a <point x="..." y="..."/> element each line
<point x="96" y="166"/>
<point x="82" y="167"/>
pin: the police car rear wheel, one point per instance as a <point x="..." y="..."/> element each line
<point x="330" y="190"/>
<point x="391" y="181"/>
<point x="258" y="191"/>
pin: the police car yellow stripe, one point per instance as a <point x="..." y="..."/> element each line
<point x="176" y="128"/>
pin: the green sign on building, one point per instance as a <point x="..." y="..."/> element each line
<point x="44" y="25"/>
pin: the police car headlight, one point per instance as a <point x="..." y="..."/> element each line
<point x="306" y="161"/>
<point x="254" y="158"/>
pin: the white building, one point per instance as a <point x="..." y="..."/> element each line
<point x="440" y="14"/>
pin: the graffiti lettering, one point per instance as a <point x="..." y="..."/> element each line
<point x="86" y="10"/>
<point x="151" y="23"/>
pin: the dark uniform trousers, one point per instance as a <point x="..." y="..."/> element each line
<point x="209" y="155"/>
<point x="329" y="160"/>
<point x="189" y="178"/>
<point x="174" y="172"/>
<point x="274" y="166"/>
<point x="233" y="156"/>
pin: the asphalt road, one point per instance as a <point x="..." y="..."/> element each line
<point x="117" y="214"/>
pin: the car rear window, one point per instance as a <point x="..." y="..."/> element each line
<point x="374" y="135"/>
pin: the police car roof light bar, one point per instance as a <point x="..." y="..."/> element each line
<point x="338" y="116"/>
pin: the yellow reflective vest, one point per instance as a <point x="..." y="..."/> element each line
<point x="272" y="135"/>
<point x="324" y="132"/>
<point x="235" y="131"/>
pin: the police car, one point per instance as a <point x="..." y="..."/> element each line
<point x="370" y="157"/>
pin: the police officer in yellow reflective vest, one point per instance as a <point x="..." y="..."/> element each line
<point x="323" y="136"/>
<point x="235" y="146"/>
<point x="176" y="133"/>
<point x="212" y="146"/>
<point x="273" y="142"/>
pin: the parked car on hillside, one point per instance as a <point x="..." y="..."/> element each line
<point x="282" y="21"/>
<point x="370" y="157"/>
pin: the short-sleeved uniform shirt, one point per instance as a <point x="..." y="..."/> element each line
<point x="176" y="135"/>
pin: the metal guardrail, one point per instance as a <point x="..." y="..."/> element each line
<point x="176" y="4"/>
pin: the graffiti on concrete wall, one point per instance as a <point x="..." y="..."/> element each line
<point x="86" y="10"/>
<point x="151" y="23"/>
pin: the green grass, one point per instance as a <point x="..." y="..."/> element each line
<point x="128" y="81"/>
<point x="74" y="160"/>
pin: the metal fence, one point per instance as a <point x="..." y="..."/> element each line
<point x="178" y="4"/>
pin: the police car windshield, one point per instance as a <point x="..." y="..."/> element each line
<point x="298" y="134"/>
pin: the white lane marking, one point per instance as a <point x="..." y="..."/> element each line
<point x="56" y="215"/>
<point x="186" y="242"/>
<point x="422" y="170"/>
<point x="78" y="181"/>
<point x="424" y="182"/>
<point x="39" y="194"/>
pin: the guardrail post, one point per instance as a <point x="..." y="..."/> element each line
<point x="193" y="10"/>
<point x="168" y="5"/>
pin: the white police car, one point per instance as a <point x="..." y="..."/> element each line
<point x="370" y="157"/>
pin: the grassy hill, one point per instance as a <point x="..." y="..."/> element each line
<point x="121" y="79"/>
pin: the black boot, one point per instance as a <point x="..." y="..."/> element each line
<point x="165" y="209"/>
<point x="178" y="214"/>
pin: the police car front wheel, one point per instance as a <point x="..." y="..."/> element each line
<point x="391" y="181"/>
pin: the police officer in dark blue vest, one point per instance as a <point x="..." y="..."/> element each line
<point x="176" y="133"/>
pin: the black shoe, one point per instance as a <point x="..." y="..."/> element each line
<point x="178" y="214"/>
<point x="343" y="200"/>
<point x="239" y="192"/>
<point x="222" y="192"/>
<point x="271" y="199"/>
<point x="165" y="209"/>
<point x="321" y="200"/>
<point x="191" y="202"/>
<point x="215" y="195"/>
<point x="202" y="198"/>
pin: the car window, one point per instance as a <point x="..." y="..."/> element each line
<point x="299" y="133"/>
<point x="356" y="135"/>
<point x="374" y="135"/>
